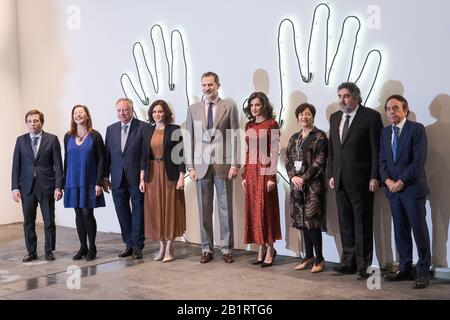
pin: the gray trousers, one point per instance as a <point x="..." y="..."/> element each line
<point x="205" y="198"/>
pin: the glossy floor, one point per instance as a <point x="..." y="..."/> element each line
<point x="110" y="277"/>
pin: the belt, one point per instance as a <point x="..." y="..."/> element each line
<point x="159" y="158"/>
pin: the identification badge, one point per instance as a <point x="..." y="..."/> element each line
<point x="298" y="165"/>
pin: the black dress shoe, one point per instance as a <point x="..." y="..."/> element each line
<point x="362" y="275"/>
<point x="399" y="276"/>
<point x="30" y="257"/>
<point x="126" y="253"/>
<point x="269" y="264"/>
<point x="80" y="254"/>
<point x="49" y="256"/>
<point x="344" y="269"/>
<point x="256" y="262"/>
<point x="91" y="254"/>
<point x="137" y="254"/>
<point x="421" y="283"/>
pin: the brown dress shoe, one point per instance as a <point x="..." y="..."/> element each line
<point x="206" y="257"/>
<point x="305" y="264"/>
<point x="318" y="267"/>
<point x="228" y="258"/>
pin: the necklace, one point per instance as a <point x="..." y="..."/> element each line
<point x="81" y="137"/>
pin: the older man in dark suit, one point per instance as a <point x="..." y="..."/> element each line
<point x="123" y="145"/>
<point x="353" y="172"/>
<point x="37" y="173"/>
<point x="403" y="153"/>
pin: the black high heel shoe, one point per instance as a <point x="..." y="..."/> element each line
<point x="80" y="254"/>
<point x="269" y="264"/>
<point x="257" y="262"/>
<point x="92" y="253"/>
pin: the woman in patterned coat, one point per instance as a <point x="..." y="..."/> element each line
<point x="306" y="158"/>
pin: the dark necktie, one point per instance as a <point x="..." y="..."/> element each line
<point x="209" y="124"/>
<point x="395" y="142"/>
<point x="35" y="141"/>
<point x="345" y="129"/>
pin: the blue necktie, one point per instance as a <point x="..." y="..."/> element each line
<point x="209" y="124"/>
<point x="395" y="143"/>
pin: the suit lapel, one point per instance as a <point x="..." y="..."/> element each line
<point x="199" y="115"/>
<point x="116" y="133"/>
<point x="402" y="139"/>
<point x="335" y="132"/>
<point x="166" y="138"/>
<point x="387" y="141"/>
<point x="41" y="145"/>
<point x="29" y="143"/>
<point x="131" y="133"/>
<point x="355" y="123"/>
<point x="219" y="113"/>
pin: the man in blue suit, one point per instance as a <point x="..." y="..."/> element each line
<point x="403" y="152"/>
<point x="37" y="173"/>
<point x="122" y="160"/>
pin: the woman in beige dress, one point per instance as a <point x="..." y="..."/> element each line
<point x="162" y="180"/>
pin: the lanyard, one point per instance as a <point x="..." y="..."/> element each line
<point x="300" y="143"/>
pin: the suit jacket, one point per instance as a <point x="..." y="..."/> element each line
<point x="202" y="141"/>
<point x="126" y="163"/>
<point x="47" y="166"/>
<point x="355" y="160"/>
<point x="173" y="142"/>
<point x="410" y="164"/>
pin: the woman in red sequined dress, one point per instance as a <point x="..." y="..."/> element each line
<point x="262" y="215"/>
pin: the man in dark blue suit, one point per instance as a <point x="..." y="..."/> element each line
<point x="37" y="179"/>
<point x="403" y="152"/>
<point x="122" y="159"/>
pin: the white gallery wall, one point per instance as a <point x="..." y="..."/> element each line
<point x="75" y="51"/>
<point x="12" y="124"/>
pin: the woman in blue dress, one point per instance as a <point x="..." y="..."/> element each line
<point x="83" y="171"/>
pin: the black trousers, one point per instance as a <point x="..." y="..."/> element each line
<point x="355" y="210"/>
<point x="29" y="209"/>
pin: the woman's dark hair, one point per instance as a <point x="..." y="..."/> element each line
<point x="303" y="107"/>
<point x="267" y="108"/>
<point x="168" y="118"/>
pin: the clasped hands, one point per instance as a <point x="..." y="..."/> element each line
<point x="394" y="186"/>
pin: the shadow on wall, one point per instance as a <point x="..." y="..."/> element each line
<point x="332" y="214"/>
<point x="44" y="62"/>
<point x="438" y="173"/>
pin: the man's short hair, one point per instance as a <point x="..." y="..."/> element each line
<point x="352" y="88"/>
<point x="212" y="74"/>
<point x="128" y="101"/>
<point x="35" y="111"/>
<point x="401" y="99"/>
